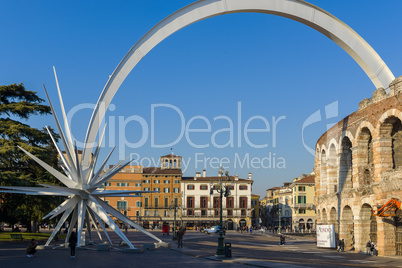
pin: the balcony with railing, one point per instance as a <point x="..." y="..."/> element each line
<point x="303" y="206"/>
<point x="215" y="212"/>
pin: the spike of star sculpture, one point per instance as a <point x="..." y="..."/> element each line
<point x="81" y="187"/>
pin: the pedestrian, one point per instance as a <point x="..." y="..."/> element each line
<point x="368" y="247"/>
<point x="180" y="234"/>
<point x="374" y="251"/>
<point x="338" y="245"/>
<point x="31" y="249"/>
<point x="72" y="243"/>
<point x="282" y="240"/>
<point x="343" y="245"/>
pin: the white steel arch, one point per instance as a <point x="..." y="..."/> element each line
<point x="297" y="10"/>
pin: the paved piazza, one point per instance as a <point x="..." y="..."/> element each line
<point x="259" y="250"/>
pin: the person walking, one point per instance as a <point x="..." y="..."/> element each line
<point x="374" y="251"/>
<point x="343" y="245"/>
<point x="180" y="234"/>
<point x="31" y="249"/>
<point x="72" y="244"/>
<point x="282" y="240"/>
<point x="368" y="247"/>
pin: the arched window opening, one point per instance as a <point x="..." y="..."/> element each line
<point x="373" y="229"/>
<point x="367" y="227"/>
<point x="333" y="218"/>
<point x="345" y="168"/>
<point x="347" y="228"/>
<point x="391" y="135"/>
<point x="323" y="172"/>
<point x="365" y="155"/>
<point x="324" y="216"/>
<point x="397" y="144"/>
<point x="332" y="171"/>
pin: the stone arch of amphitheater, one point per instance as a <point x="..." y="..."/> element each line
<point x="358" y="166"/>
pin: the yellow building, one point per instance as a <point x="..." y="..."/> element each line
<point x="158" y="208"/>
<point x="266" y="207"/>
<point x="129" y="178"/>
<point x="269" y="199"/>
<point x="281" y="206"/>
<point x="255" y="213"/>
<point x="303" y="193"/>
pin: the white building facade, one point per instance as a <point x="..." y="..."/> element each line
<point x="201" y="208"/>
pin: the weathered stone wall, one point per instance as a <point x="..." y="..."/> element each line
<point x="358" y="166"/>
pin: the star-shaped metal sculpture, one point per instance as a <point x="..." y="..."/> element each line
<point x="82" y="187"/>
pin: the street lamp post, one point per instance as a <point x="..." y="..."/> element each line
<point x="174" y="224"/>
<point x="223" y="190"/>
<point x="280" y="227"/>
<point x="175" y="206"/>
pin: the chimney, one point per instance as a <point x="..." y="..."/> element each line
<point x="249" y="175"/>
<point x="198" y="174"/>
<point x="204" y="173"/>
<point x="236" y="177"/>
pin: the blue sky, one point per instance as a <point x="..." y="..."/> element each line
<point x="268" y="65"/>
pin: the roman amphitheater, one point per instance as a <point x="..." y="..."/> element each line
<point x="358" y="167"/>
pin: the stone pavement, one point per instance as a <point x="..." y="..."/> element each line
<point x="233" y="261"/>
<point x="263" y="250"/>
<point x="12" y="254"/>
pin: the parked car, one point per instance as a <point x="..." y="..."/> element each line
<point x="214" y="230"/>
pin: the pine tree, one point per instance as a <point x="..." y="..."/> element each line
<point x="16" y="168"/>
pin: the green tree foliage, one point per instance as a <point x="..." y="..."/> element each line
<point x="16" y="168"/>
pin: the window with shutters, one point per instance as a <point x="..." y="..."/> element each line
<point x="204" y="202"/>
<point x="229" y="202"/>
<point x="190" y="187"/>
<point x="243" y="202"/>
<point x="203" y="187"/>
<point x="190" y="201"/>
<point x="216" y="202"/>
<point x="301" y="199"/>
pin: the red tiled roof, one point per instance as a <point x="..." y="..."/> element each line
<point x="158" y="170"/>
<point x="273" y="188"/>
<point x="216" y="178"/>
<point x="308" y="179"/>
